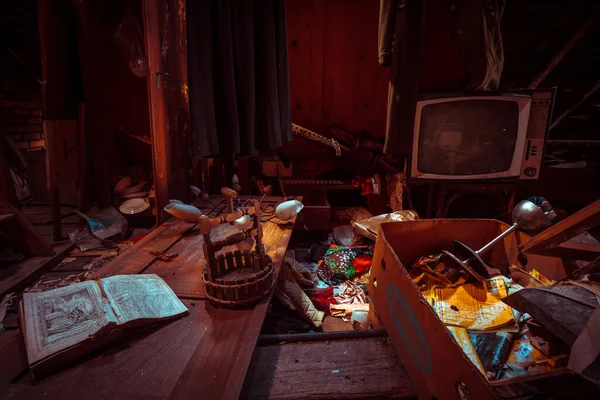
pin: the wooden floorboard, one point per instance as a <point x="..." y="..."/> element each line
<point x="147" y="365"/>
<point x="205" y="354"/>
<point x="137" y="259"/>
<point x="337" y="369"/>
<point x="238" y="332"/>
<point x="38" y="214"/>
<point x="13" y="359"/>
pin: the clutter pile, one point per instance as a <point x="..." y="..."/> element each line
<point x="331" y="278"/>
<point x="519" y="323"/>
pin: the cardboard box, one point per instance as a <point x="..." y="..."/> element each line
<point x="438" y="367"/>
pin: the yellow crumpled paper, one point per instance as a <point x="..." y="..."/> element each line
<point x="473" y="306"/>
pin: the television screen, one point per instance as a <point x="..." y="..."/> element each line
<point x="467" y="137"/>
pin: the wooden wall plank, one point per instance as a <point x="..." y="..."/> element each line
<point x="335" y="76"/>
<point x="299" y="47"/>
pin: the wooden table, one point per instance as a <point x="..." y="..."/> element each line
<point x="203" y="355"/>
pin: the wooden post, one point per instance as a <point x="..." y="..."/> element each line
<point x="166" y="43"/>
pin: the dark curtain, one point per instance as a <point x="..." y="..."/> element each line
<point x="238" y="76"/>
<point x="436" y="46"/>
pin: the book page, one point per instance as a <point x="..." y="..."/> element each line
<point x="60" y="318"/>
<point x="141" y="296"/>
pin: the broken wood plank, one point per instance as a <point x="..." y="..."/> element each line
<point x="569" y="227"/>
<point x="138" y="258"/>
<point x="20" y="275"/>
<point x="73" y="264"/>
<point x="563" y="310"/>
<point x="21" y="233"/>
<point x="95" y="253"/>
<point x="346" y="369"/>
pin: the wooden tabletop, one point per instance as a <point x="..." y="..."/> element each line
<point x="203" y="355"/>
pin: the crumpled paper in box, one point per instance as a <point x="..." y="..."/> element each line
<point x="369" y="227"/>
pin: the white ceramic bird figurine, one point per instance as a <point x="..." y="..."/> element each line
<point x="288" y="209"/>
<point x="183" y="212"/>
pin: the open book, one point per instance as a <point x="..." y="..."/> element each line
<point x="63" y="324"/>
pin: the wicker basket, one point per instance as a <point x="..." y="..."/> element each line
<point x="236" y="278"/>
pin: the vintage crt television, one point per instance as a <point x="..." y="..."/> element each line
<point x="483" y="136"/>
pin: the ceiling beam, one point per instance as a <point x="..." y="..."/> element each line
<point x="569" y="110"/>
<point x="577" y="36"/>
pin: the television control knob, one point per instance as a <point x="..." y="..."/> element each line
<point x="530" y="171"/>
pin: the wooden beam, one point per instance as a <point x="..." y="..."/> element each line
<point x="547" y="241"/>
<point x="166" y="43"/>
<point x="575" y="106"/>
<point x="577" y="36"/>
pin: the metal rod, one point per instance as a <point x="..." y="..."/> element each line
<point x="491" y="244"/>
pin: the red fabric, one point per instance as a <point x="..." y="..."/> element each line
<point x="362" y="263"/>
<point x="324" y="299"/>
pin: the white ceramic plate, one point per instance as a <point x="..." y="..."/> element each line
<point x="134" y="206"/>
